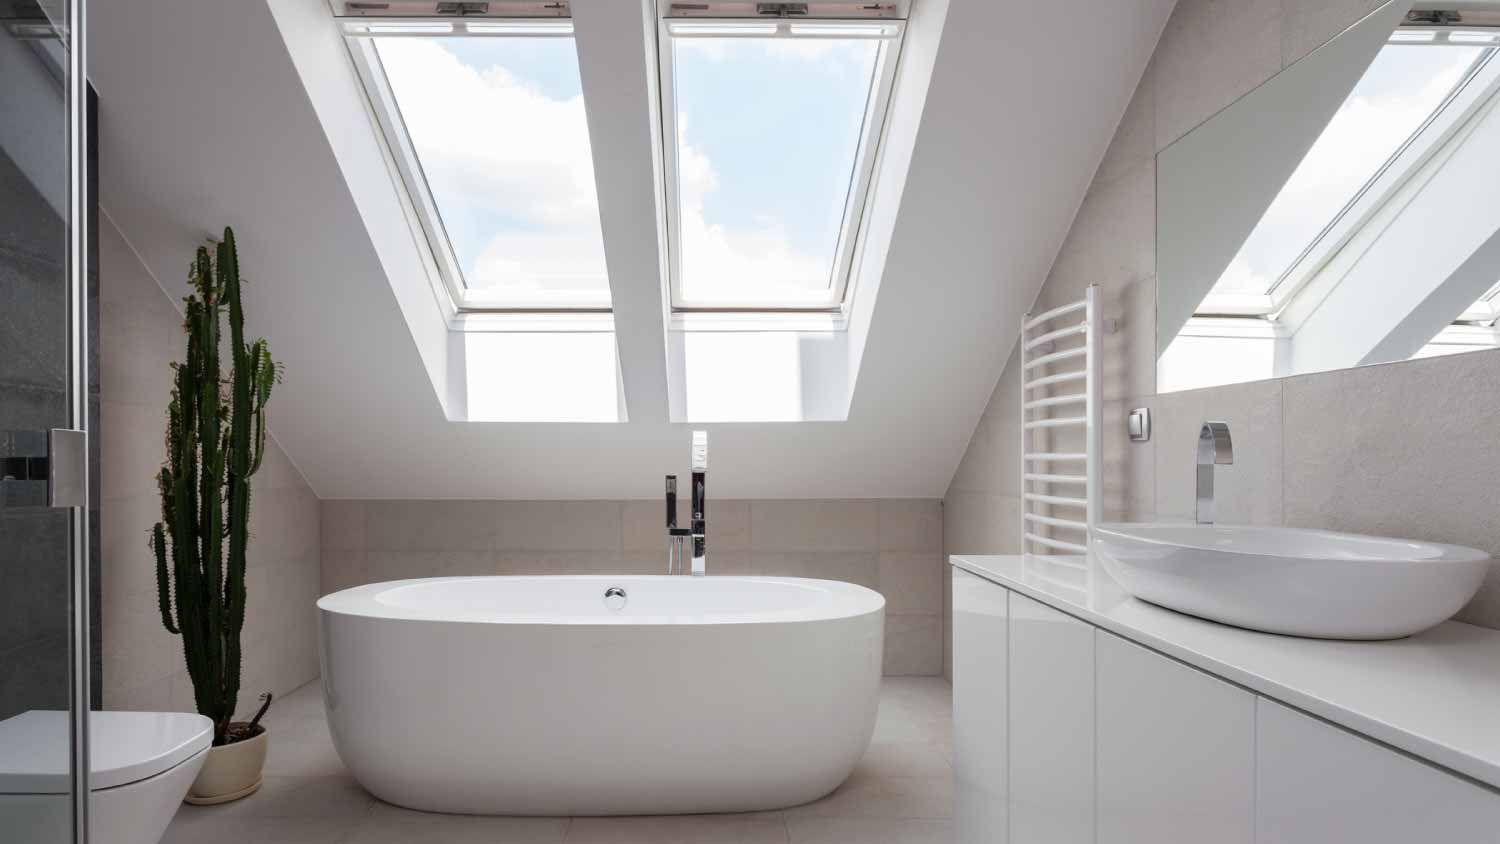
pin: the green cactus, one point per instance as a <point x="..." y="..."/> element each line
<point x="214" y="445"/>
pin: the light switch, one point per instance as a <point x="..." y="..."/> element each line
<point x="1139" y="424"/>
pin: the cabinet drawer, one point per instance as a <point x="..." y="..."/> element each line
<point x="1318" y="783"/>
<point x="1176" y="751"/>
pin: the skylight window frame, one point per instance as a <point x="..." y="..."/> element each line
<point x="882" y="25"/>
<point x="360" y="33"/>
<point x="1428" y="141"/>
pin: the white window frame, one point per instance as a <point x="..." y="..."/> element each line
<point x="359" y="33"/>
<point x="721" y="20"/>
<point x="1427" y="141"/>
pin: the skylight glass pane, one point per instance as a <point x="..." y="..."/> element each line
<point x="1403" y="87"/>
<point x="498" y="127"/>
<point x="768" y="141"/>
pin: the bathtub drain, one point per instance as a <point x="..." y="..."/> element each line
<point x="614" y="598"/>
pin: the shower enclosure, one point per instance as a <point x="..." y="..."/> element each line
<point x="49" y="401"/>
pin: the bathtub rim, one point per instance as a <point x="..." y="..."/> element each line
<point x="850" y="600"/>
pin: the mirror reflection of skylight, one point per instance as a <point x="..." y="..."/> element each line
<point x="1404" y="87"/>
<point x="762" y="215"/>
<point x="495" y="122"/>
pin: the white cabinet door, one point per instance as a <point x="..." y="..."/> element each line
<point x="1051" y="726"/>
<point x="979" y="709"/>
<point x="1318" y="783"/>
<point x="1176" y="751"/>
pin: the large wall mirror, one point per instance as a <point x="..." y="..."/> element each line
<point x="1346" y="212"/>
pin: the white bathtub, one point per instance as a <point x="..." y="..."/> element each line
<point x="529" y="696"/>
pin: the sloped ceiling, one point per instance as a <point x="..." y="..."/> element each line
<point x="204" y="122"/>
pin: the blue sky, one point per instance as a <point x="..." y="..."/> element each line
<point x="772" y="128"/>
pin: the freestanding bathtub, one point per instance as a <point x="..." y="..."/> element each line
<point x="545" y="696"/>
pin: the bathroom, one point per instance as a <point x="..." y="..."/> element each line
<point x="598" y="494"/>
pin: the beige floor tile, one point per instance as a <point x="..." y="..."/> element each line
<point x="679" y="829"/>
<point x="884" y="797"/>
<point x="204" y="825"/>
<point x="904" y="758"/>
<point x="865" y="831"/>
<point x="393" y="825"/>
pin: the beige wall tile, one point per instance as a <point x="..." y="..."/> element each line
<point x="861" y="567"/>
<point x="341" y="570"/>
<point x="435" y="525"/>
<point x="1308" y="24"/>
<point x="992" y="461"/>
<point x="1134" y="142"/>
<point x="977" y="523"/>
<point x="910" y="525"/>
<point x="913" y="643"/>
<point x="1211" y="53"/>
<point x="1400" y="450"/>
<point x="814" y="526"/>
<point x="343" y="526"/>
<point x="911" y="581"/>
<point x="556" y="525"/>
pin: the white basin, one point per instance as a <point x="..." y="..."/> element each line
<point x="1313" y="583"/>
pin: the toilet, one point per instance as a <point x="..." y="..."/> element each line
<point x="142" y="765"/>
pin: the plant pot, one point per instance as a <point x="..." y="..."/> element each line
<point x="231" y="771"/>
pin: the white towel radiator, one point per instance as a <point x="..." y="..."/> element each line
<point x="1061" y="427"/>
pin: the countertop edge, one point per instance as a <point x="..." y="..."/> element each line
<point x="1450" y="759"/>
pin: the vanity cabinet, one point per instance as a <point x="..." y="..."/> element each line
<point x="1176" y="750"/>
<point x="1051" y="725"/>
<point x="1064" y="732"/>
<point x="1318" y="783"/>
<point x="981" y="628"/>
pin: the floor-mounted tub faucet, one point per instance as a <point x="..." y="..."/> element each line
<point x="698" y="525"/>
<point x="1215" y="448"/>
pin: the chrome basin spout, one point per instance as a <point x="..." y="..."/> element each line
<point x="1215" y="448"/>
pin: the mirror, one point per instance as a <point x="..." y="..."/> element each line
<point x="1344" y="213"/>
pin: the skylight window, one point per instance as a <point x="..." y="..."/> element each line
<point x="1413" y="93"/>
<point x="485" y="119"/>
<point x="770" y="131"/>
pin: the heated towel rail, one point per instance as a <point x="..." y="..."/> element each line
<point x="1061" y="427"/>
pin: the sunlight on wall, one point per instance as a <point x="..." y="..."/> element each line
<point x="743" y="376"/>
<point x="542" y="377"/>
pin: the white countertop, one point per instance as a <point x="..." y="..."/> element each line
<point x="1435" y="695"/>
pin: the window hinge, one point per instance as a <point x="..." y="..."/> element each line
<point x="1437" y="17"/>
<point x="781" y="10"/>
<point x="463" y="7"/>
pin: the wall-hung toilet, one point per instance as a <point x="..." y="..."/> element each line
<point x="142" y="765"/>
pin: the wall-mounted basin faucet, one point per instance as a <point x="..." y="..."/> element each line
<point x="1215" y="448"/>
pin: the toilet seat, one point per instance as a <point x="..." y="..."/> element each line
<point x="124" y="748"/>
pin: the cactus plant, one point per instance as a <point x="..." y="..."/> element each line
<point x="215" y="443"/>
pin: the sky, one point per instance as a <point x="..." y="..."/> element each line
<point x="767" y="134"/>
<point x="1402" y="86"/>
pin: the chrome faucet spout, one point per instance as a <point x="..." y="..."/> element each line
<point x="1215" y="448"/>
<point x="699" y="523"/>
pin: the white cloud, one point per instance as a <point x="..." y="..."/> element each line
<point x="494" y="147"/>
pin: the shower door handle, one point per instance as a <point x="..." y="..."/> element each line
<point x="62" y="464"/>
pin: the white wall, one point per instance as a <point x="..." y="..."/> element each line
<point x="1403" y="449"/>
<point x="140" y="335"/>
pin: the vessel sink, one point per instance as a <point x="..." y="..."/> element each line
<point x="1312" y="583"/>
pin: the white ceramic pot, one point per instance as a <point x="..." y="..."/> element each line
<point x="231" y="771"/>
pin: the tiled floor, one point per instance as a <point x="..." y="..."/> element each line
<point x="901" y="793"/>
